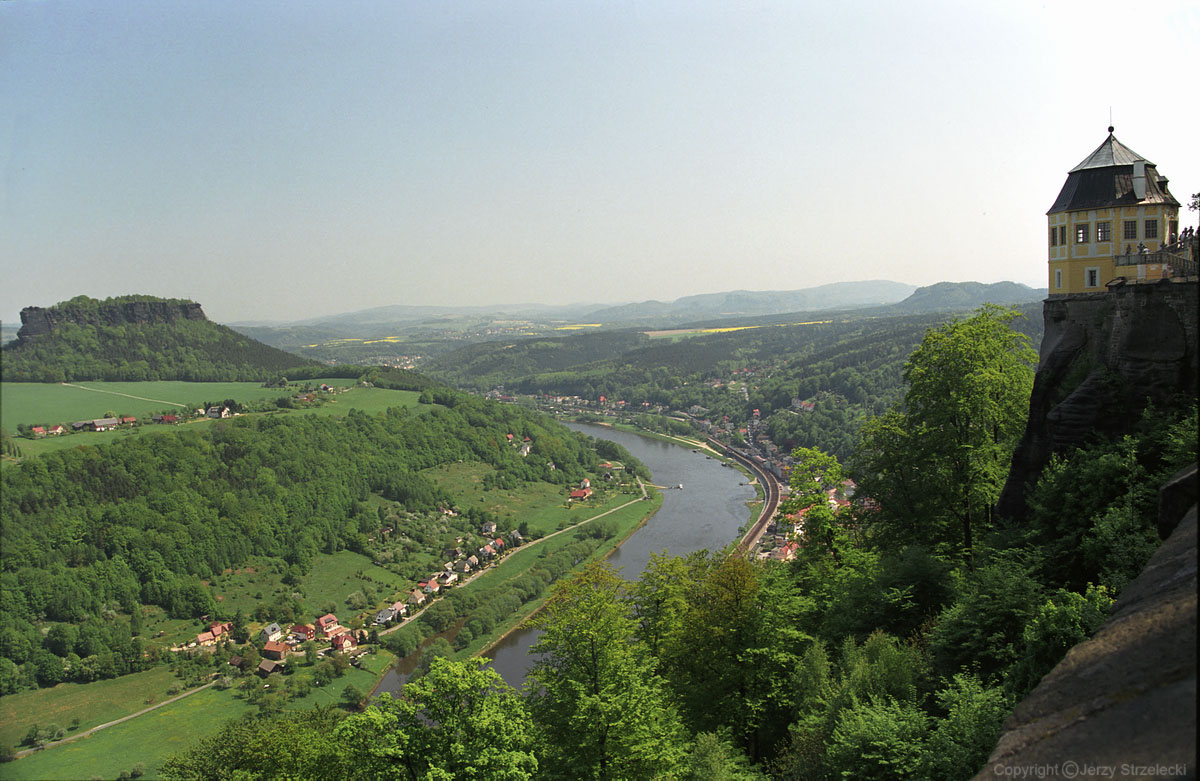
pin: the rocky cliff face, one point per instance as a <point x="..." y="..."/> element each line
<point x="1104" y="356"/>
<point x="36" y="321"/>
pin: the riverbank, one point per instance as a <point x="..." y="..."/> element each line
<point x="531" y="609"/>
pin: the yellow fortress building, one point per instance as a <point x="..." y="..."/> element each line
<point x="1114" y="218"/>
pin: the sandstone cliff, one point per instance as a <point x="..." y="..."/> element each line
<point x="1104" y="357"/>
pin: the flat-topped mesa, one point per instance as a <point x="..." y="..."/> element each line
<point x="36" y="320"/>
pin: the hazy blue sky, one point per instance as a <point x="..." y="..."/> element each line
<point x="292" y="159"/>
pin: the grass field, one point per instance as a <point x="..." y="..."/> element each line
<point x="149" y="739"/>
<point x="541" y="505"/>
<point x="93" y="703"/>
<point x="41" y="403"/>
<point x="333" y="578"/>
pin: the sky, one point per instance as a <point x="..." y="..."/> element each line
<point x="288" y="160"/>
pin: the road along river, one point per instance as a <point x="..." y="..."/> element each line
<point x="705" y="514"/>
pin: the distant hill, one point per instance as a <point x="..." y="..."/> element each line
<point x="752" y="303"/>
<point x="136" y="338"/>
<point x="945" y="296"/>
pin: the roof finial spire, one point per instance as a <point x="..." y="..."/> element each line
<point x="1110" y="124"/>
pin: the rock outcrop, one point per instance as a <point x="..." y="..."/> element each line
<point x="1121" y="704"/>
<point x="1104" y="357"/>
<point x="36" y="320"/>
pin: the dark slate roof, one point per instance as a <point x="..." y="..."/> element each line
<point x="1105" y="179"/>
<point x="1111" y="152"/>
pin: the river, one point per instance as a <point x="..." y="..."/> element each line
<point x="705" y="514"/>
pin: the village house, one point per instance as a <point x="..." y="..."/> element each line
<point x="489" y="528"/>
<point x="327" y="625"/>
<point x="271" y="632"/>
<point x="218" y="628"/>
<point x="304" y="632"/>
<point x="429" y="585"/>
<point x="401" y="609"/>
<point x="344" y="643"/>
<point x="416" y="597"/>
<point x="463" y="567"/>
<point x="449" y="578"/>
<point x="268" y="666"/>
<point x="38" y="431"/>
<point x="473" y="560"/>
<point x="275" y="650"/>
<point x="385" y="615"/>
<point x="55" y="430"/>
<point x="487" y="552"/>
<point x="204" y="638"/>
<point x="580" y="494"/>
<point x="104" y="424"/>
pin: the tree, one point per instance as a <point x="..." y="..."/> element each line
<point x="352" y="698"/>
<point x="458" y="721"/>
<point x="935" y="467"/>
<point x="598" y="706"/>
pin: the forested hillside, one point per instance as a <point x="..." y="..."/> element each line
<point x="137" y="338"/>
<point x="849" y="368"/>
<point x="90" y="531"/>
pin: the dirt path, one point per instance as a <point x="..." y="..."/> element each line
<point x="115" y="722"/>
<point x="126" y="395"/>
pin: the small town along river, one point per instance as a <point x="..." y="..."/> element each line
<point x="706" y="514"/>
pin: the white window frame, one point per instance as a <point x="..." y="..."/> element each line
<point x="1088" y="275"/>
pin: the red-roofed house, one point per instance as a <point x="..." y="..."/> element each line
<point x="217" y="628"/>
<point x="204" y="638"/>
<point x="38" y="431"/>
<point x="55" y="430"/>
<point x="327" y="625"/>
<point x="304" y="632"/>
<point x="581" y="493"/>
<point x="344" y="643"/>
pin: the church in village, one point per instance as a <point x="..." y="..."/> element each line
<point x="1115" y="222"/>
